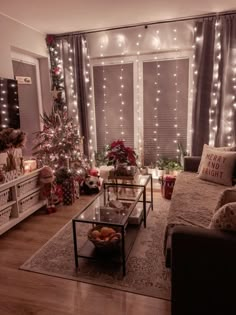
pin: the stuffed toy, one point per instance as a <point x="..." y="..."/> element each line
<point x="47" y="187"/>
<point x="90" y="185"/>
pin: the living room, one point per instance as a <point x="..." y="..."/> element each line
<point x="159" y="77"/>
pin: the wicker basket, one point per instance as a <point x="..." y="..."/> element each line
<point x="5" y="215"/>
<point x="105" y="245"/>
<point x="28" y="201"/>
<point x="4" y="195"/>
<point x="27" y="185"/>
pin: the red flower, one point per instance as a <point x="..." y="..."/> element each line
<point x="118" y="152"/>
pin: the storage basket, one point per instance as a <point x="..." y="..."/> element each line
<point x="4" y="196"/>
<point x="111" y="244"/>
<point x="28" y="201"/>
<point x="26" y="186"/>
<point x="5" y="215"/>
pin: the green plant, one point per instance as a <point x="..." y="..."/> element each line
<point x="162" y="163"/>
<point x="173" y="165"/>
<point x="100" y="157"/>
<point x="152" y="165"/>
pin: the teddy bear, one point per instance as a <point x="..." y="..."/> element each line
<point x="90" y="185"/>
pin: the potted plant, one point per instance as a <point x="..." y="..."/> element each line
<point x="152" y="169"/>
<point x="174" y="167"/>
<point x="121" y="156"/>
<point x="161" y="166"/>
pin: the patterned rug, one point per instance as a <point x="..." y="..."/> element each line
<point x="145" y="272"/>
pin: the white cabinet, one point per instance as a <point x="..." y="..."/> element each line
<point x="19" y="198"/>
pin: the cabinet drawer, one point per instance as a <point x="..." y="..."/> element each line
<point x="26" y="186"/>
<point x="4" y="196"/>
<point x="5" y="215"/>
<point x="28" y="201"/>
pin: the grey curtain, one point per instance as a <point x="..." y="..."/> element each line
<point x="204" y="60"/>
<point x="226" y="119"/>
<point x="73" y="52"/>
<point x="215" y="123"/>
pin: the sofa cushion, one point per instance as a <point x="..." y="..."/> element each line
<point x="217" y="166"/>
<point x="225" y="218"/>
<point x="193" y="200"/>
<point x="206" y="147"/>
<point x="227" y="196"/>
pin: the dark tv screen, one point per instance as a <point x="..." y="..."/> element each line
<point x="9" y="104"/>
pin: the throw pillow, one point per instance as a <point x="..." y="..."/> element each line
<point x="218" y="166"/>
<point x="206" y="147"/>
<point x="227" y="196"/>
<point x="225" y="218"/>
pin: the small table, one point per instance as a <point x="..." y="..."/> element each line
<point x="138" y="180"/>
<point x="97" y="213"/>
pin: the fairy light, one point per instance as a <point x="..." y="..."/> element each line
<point x="177" y="92"/>
<point x="90" y="103"/>
<point x="139" y="134"/>
<point x="229" y="130"/>
<point x="155" y="109"/>
<point x="105" y="104"/>
<point x="72" y="88"/>
<point x="3" y="103"/>
<point x="122" y="102"/>
<point x="213" y="111"/>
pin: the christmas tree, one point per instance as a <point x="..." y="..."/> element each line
<point x="59" y="143"/>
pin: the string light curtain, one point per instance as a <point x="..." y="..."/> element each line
<point x="70" y="60"/>
<point x="209" y="44"/>
<point x="215" y="82"/>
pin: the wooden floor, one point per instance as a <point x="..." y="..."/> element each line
<point x="27" y="293"/>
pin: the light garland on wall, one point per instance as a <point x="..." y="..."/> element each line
<point x="177" y="92"/>
<point x="213" y="111"/>
<point x="73" y="102"/>
<point x="232" y="111"/>
<point x="4" y="109"/>
<point x="139" y="133"/>
<point x="230" y="139"/>
<point x="122" y="103"/>
<point x="155" y="108"/>
<point x="90" y="103"/>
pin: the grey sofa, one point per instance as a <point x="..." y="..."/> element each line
<point x="202" y="260"/>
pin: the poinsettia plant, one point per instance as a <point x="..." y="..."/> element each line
<point x="117" y="152"/>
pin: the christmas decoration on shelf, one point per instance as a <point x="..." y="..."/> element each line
<point x="58" y="144"/>
<point x="11" y="139"/>
<point x="56" y="64"/>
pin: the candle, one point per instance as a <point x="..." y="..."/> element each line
<point x="30" y="165"/>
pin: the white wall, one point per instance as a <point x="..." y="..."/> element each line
<point x="14" y="35"/>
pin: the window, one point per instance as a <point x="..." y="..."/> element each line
<point x="165" y="101"/>
<point x="113" y="93"/>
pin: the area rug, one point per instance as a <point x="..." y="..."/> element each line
<point x="145" y="272"/>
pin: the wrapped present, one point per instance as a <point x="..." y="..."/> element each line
<point x="167" y="186"/>
<point x="68" y="192"/>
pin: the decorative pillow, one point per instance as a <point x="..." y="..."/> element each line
<point x="218" y="166"/>
<point x="227" y="196"/>
<point x="225" y="218"/>
<point x="206" y="147"/>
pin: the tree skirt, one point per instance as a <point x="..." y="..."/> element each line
<point x="145" y="269"/>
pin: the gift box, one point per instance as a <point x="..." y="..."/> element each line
<point x="167" y="186"/>
<point x="68" y="192"/>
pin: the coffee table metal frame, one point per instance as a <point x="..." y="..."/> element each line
<point x="132" y="183"/>
<point x="128" y="233"/>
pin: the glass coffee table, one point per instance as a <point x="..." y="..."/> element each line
<point x="99" y="213"/>
<point x="138" y="180"/>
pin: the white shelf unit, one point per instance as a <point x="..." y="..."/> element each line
<point x="23" y="199"/>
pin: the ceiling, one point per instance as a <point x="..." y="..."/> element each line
<point x="57" y="16"/>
